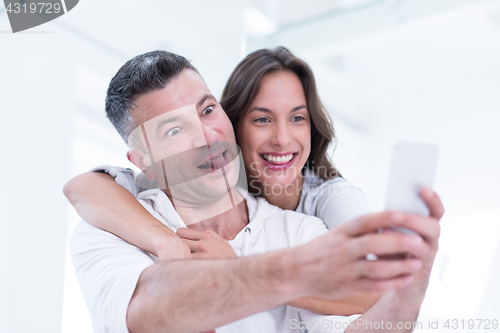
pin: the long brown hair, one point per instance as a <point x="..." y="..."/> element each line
<point x="243" y="85"/>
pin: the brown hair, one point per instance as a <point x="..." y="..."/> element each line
<point x="243" y="85"/>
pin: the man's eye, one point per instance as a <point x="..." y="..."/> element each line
<point x="261" y="120"/>
<point x="298" y="118"/>
<point x="208" y="110"/>
<point x="174" y="131"/>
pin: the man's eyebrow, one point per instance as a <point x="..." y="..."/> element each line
<point x="269" y="111"/>
<point x="165" y="121"/>
<point x="203" y="99"/>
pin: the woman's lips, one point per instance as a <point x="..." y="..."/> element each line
<point x="278" y="162"/>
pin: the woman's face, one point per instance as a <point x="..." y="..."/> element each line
<point x="275" y="133"/>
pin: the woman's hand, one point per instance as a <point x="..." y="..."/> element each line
<point x="206" y="244"/>
<point x="171" y="247"/>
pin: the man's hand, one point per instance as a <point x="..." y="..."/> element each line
<point x="403" y="304"/>
<point x="206" y="244"/>
<point x="335" y="265"/>
<point x="429" y="229"/>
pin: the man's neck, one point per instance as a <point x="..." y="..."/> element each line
<point x="226" y="216"/>
<point x="228" y="224"/>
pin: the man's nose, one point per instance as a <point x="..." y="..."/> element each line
<point x="281" y="136"/>
<point x="210" y="134"/>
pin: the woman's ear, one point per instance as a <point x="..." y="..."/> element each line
<point x="142" y="161"/>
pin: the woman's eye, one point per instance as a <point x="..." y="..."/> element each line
<point x="208" y="110"/>
<point x="298" y="118"/>
<point x="174" y="131"/>
<point x="261" y="120"/>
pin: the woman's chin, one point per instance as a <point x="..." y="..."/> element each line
<point x="278" y="183"/>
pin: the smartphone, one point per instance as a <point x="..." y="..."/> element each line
<point x="413" y="168"/>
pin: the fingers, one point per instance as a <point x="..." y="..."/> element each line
<point x="436" y="209"/>
<point x="375" y="285"/>
<point x="191" y="234"/>
<point x="194" y="246"/>
<point x="386" y="244"/>
<point x="426" y="227"/>
<point x="387" y="269"/>
<point x="372" y="222"/>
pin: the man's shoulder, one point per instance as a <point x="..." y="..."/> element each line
<point x="85" y="237"/>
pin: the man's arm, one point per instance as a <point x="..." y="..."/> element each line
<point x="199" y="295"/>
<point x="207" y="244"/>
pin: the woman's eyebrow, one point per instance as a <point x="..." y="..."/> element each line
<point x="298" y="108"/>
<point x="269" y="111"/>
<point x="259" y="109"/>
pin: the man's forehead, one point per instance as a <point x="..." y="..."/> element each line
<point x="185" y="90"/>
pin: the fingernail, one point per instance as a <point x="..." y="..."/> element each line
<point x="397" y="217"/>
<point x="428" y="193"/>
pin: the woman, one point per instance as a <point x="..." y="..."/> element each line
<point x="283" y="131"/>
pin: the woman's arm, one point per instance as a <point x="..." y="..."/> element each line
<point x="357" y="304"/>
<point x="102" y="202"/>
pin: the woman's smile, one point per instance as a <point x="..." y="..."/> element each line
<point x="275" y="133"/>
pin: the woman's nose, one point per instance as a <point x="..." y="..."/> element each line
<point x="281" y="136"/>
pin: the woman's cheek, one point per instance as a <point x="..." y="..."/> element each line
<point x="254" y="169"/>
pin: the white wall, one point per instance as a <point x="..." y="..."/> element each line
<point x="41" y="102"/>
<point x="37" y="106"/>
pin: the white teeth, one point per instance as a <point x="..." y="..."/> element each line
<point x="278" y="159"/>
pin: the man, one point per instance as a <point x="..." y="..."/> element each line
<point x="161" y="95"/>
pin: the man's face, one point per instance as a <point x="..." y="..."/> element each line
<point x="189" y="140"/>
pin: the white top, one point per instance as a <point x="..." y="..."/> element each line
<point x="108" y="268"/>
<point x="334" y="201"/>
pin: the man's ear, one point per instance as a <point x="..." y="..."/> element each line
<point x="142" y="161"/>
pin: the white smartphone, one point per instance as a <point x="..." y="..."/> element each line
<point x="413" y="167"/>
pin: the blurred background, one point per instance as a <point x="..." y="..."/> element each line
<point x="387" y="70"/>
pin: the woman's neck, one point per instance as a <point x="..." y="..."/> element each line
<point x="285" y="198"/>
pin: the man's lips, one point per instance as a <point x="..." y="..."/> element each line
<point x="215" y="162"/>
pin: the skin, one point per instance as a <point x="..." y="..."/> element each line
<point x="183" y="123"/>
<point x="277" y="124"/>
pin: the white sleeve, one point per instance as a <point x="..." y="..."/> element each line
<point x="316" y="323"/>
<point x="124" y="177"/>
<point x="108" y="269"/>
<point x="340" y="202"/>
